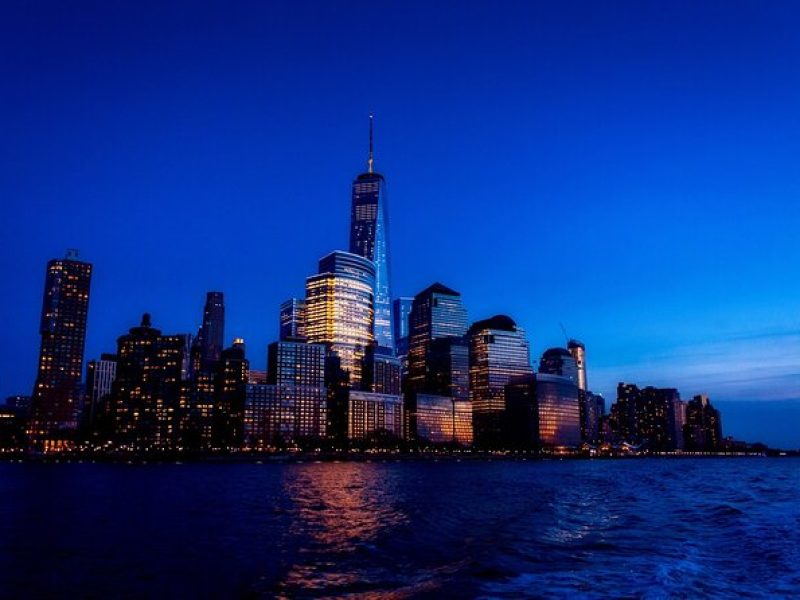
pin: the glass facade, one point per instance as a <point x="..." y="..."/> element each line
<point x="559" y="412"/>
<point x="339" y="309"/>
<point x="401" y="310"/>
<point x="56" y="398"/>
<point x="369" y="237"/>
<point x="293" y="319"/>
<point x="298" y="371"/>
<point x="100" y="375"/>
<point x="559" y="361"/>
<point x="441" y="420"/>
<point x="374" y="416"/>
<point x="437" y="312"/>
<point x="578" y="351"/>
<point x="381" y="371"/>
<point x="498" y="351"/>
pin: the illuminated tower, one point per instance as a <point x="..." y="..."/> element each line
<point x="498" y="351"/>
<point x="55" y="403"/>
<point x="339" y="309"/>
<point x="369" y="237"/>
<point x="578" y="352"/>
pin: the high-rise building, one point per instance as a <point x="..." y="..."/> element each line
<point x="146" y="393"/>
<point x="233" y="375"/>
<point x="100" y="374"/>
<point x="369" y="237"/>
<point x="374" y="417"/>
<point x="703" y="430"/>
<point x="339" y="309"/>
<point x="401" y="310"/>
<point x="578" y="351"/>
<point x="209" y="342"/>
<point x="559" y="411"/>
<point x="559" y="361"/>
<point x="293" y="319"/>
<point x="297" y="370"/>
<point x="381" y="371"/>
<point x="498" y="351"/>
<point x="593" y="408"/>
<point x="436" y="313"/>
<point x="56" y="398"/>
<point x="646" y="417"/>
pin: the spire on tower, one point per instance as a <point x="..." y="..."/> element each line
<point x="370" y="160"/>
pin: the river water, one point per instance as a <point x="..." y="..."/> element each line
<point x="638" y="528"/>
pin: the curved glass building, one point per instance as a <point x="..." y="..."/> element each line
<point x="339" y="308"/>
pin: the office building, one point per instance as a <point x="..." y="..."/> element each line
<point x="369" y="237"/>
<point x="100" y="374"/>
<point x="381" y="371"/>
<point x="561" y="362"/>
<point x="293" y="319"/>
<point x="438" y="420"/>
<point x="210" y="338"/>
<point x="339" y="309"/>
<point x="374" y="418"/>
<point x="498" y="351"/>
<point x="56" y="397"/>
<point x="297" y="370"/>
<point x="436" y="313"/>
<point x="401" y="310"/>
<point x="578" y="352"/>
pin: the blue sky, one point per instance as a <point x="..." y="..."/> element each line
<point x="626" y="168"/>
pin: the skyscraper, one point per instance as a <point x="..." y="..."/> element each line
<point x="559" y="361"/>
<point x="369" y="237"/>
<point x="56" y="397"/>
<point x="578" y="351"/>
<point x="703" y="429"/>
<point x="339" y="309"/>
<point x="210" y="338"/>
<point x="100" y="376"/>
<point x="498" y="351"/>
<point x="436" y="313"/>
<point x="232" y="377"/>
<point x="401" y="310"/>
<point x="146" y="393"/>
<point x="293" y="319"/>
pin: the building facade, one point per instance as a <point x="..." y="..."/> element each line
<point x="369" y="237"/>
<point x="56" y="398"/>
<point x="374" y="417"/>
<point x="498" y="352"/>
<point x="293" y="319"/>
<point x="339" y="309"/>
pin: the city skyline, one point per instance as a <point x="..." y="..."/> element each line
<point x="702" y="336"/>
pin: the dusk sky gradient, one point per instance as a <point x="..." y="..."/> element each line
<point x="629" y="169"/>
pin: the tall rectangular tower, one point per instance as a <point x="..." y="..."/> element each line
<point x="56" y="395"/>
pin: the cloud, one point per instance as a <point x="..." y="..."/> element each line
<point x="763" y="366"/>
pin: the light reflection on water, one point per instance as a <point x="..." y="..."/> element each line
<point x="550" y="529"/>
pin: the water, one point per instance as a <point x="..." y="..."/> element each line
<point x="653" y="528"/>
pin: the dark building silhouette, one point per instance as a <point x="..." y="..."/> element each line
<point x="703" y="429"/>
<point x="146" y="394"/>
<point x="210" y="338"/>
<point x="498" y="351"/>
<point x="293" y="319"/>
<point x="369" y="237"/>
<point x="231" y="389"/>
<point x="382" y="371"/>
<point x="56" y="399"/>
<point x="646" y="417"/>
<point x="100" y="375"/>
